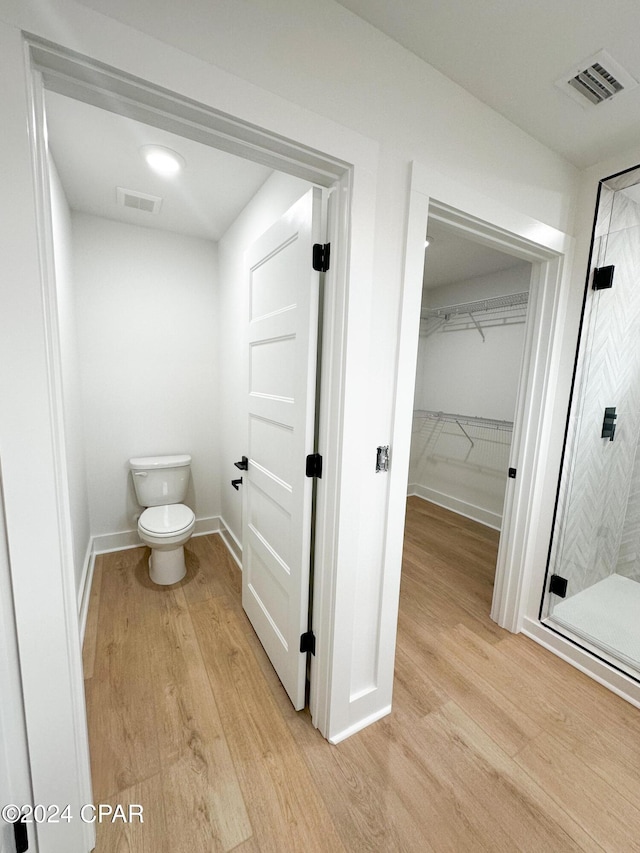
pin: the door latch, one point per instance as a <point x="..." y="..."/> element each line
<point x="243" y="464"/>
<point x="382" y="458"/>
<point x="236" y="484"/>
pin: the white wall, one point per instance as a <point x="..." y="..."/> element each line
<point x="459" y="373"/>
<point x="148" y="349"/>
<point x="275" y="197"/>
<point x="71" y="386"/>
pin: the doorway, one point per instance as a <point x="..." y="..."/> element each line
<point x="64" y="75"/>
<point x="473" y="314"/>
<point x="153" y="336"/>
<point x="472" y="332"/>
<point x="153" y="289"/>
<point x="487" y="222"/>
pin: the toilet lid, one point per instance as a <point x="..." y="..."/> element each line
<point x="166" y="520"/>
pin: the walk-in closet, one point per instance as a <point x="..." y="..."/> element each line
<point x="472" y="325"/>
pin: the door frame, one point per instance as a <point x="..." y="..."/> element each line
<point x="66" y="72"/>
<point x="550" y="252"/>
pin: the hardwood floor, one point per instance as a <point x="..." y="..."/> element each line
<point x="493" y="744"/>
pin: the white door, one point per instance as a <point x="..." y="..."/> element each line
<point x="277" y="500"/>
<point x="14" y="766"/>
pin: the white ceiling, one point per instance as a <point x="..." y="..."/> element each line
<point x="451" y="258"/>
<point x="509" y="53"/>
<point x="96" y="151"/>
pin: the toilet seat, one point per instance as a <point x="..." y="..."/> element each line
<point x="166" y="521"/>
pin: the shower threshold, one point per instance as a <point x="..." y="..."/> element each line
<point x="606" y="615"/>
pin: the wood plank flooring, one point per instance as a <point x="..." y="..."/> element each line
<point x="493" y="744"/>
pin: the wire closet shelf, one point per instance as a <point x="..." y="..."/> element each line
<point x="495" y="311"/>
<point x="462" y="421"/>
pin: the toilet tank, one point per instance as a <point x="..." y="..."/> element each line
<point x="160" y="480"/>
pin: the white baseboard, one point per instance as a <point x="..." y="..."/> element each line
<point x="84" y="592"/>
<point x="616" y="681"/>
<point x="468" y="510"/>
<point x="233" y="545"/>
<point x="107" y="543"/>
<point x="205" y="526"/>
<point x="361" y="724"/>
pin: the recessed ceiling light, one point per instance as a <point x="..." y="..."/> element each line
<point x="163" y="160"/>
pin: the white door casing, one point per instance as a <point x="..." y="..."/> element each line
<point x="488" y="221"/>
<point x="277" y="495"/>
<point x="352" y="223"/>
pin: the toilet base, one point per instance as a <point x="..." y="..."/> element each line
<point x="167" y="567"/>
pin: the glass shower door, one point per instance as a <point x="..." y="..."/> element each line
<point x="592" y="591"/>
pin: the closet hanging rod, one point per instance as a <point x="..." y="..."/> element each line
<point x="495" y="303"/>
<point x="468" y="420"/>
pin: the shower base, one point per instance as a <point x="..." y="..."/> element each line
<point x="607" y="615"/>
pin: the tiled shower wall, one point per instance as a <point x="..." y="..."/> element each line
<point x="602" y="477"/>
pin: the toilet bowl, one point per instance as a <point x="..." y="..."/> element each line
<point x="167" y="524"/>
<point x="166" y="529"/>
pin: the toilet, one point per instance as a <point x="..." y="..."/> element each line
<point x="167" y="524"/>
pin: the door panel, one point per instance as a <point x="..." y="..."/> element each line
<point x="277" y="502"/>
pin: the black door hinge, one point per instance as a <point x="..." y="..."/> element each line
<point x="314" y="465"/>
<point x="308" y="642"/>
<point x="558" y="586"/>
<point x="321" y="253"/>
<point x="20" y="835"/>
<point x="603" y="278"/>
<point x="512" y="473"/>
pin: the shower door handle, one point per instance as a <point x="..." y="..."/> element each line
<point x="609" y="423"/>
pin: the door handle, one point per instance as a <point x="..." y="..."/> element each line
<point x="236" y="484"/>
<point x="243" y="464"/>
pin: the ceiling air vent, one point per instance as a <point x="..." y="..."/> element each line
<point x="596" y="84"/>
<point x="596" y="79"/>
<point x="138" y="201"/>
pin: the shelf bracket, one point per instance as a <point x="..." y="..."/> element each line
<point x="435" y="327"/>
<point x="477" y="325"/>
<point x="466" y="434"/>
